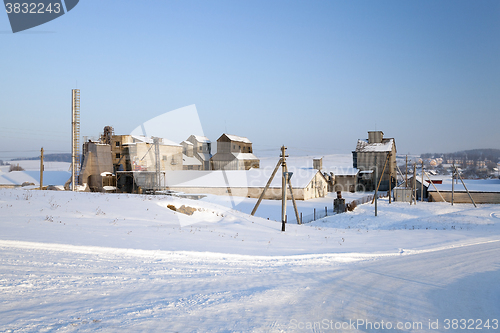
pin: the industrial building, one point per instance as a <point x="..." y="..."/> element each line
<point x="97" y="167"/>
<point x="372" y="154"/>
<point x="234" y="153"/>
<point x="202" y="150"/>
<point x="189" y="162"/>
<point x="139" y="153"/>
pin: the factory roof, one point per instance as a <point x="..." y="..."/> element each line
<point x="237" y="138"/>
<point x="385" y="146"/>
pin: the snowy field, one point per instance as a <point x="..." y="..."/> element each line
<point x="87" y="262"/>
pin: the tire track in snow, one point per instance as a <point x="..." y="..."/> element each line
<point x="210" y="257"/>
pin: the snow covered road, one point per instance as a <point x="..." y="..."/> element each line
<point x="65" y="291"/>
<point x="85" y="262"/>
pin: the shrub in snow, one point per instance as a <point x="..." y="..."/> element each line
<point x="15" y="168"/>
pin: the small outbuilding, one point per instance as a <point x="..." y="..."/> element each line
<point x="346" y="179"/>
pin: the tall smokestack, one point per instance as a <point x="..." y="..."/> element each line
<point x="75" y="136"/>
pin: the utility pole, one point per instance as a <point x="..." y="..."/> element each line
<point x="286" y="178"/>
<point x="390" y="188"/>
<point x="390" y="179"/>
<point x="265" y="188"/>
<point x="41" y="169"/>
<point x="289" y="176"/>
<point x="422" y="183"/>
<point x="382" y="174"/>
<point x="406" y="172"/>
<point x="157" y="185"/>
<point x="411" y="185"/>
<point x="376" y="189"/>
<point x="415" y="182"/>
<point x="463" y="183"/>
<point x="283" y="187"/>
<point x="453" y="184"/>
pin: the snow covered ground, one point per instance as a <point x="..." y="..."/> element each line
<point x="56" y="173"/>
<point x="82" y="262"/>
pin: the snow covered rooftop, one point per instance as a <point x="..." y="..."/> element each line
<point x="187" y="160"/>
<point x="187" y="143"/>
<point x="237" y="138"/>
<point x="245" y="156"/>
<point x="363" y="146"/>
<point x="201" y="138"/>
<point x="473" y="185"/>
<point x="204" y="156"/>
<point x="146" y="139"/>
<point x="344" y="171"/>
<point x="234" y="178"/>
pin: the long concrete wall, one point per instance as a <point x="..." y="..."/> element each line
<point x="462" y="197"/>
<point x="252" y="192"/>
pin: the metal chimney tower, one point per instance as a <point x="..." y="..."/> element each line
<point x="75" y="137"/>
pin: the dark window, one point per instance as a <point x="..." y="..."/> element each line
<point x="117" y="155"/>
<point x="117" y="143"/>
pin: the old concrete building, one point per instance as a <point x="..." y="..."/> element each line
<point x="202" y="150"/>
<point x="136" y="157"/>
<point x="138" y="153"/>
<point x="371" y="154"/>
<point x="306" y="183"/>
<point x="234" y="153"/>
<point x="189" y="162"/>
<point x="97" y="167"/>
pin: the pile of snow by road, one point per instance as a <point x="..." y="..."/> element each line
<point x="121" y="262"/>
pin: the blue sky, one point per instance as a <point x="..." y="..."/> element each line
<point x="313" y="75"/>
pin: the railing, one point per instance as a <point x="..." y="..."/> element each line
<point x="322" y="213"/>
<point x="315" y="215"/>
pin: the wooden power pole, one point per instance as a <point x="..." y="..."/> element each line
<point x="376" y="189"/>
<point x="41" y="169"/>
<point x="406" y="173"/>
<point x="285" y="178"/>
<point x="414" y="183"/>
<point x="453" y="183"/>
<point x="390" y="179"/>
<point x="422" y="183"/>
